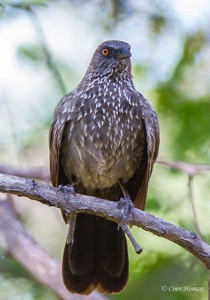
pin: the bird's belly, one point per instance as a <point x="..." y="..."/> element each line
<point x="100" y="157"/>
<point x="101" y="168"/>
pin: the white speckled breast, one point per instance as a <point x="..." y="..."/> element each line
<point x="106" y="138"/>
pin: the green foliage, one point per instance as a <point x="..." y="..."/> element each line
<point x="31" y="53"/>
<point x="187" y="115"/>
<point x="167" y="277"/>
<point x="17" y="284"/>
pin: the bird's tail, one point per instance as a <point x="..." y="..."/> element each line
<point x="98" y="258"/>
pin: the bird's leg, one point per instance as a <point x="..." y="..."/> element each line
<point x="66" y="189"/>
<point x="69" y="217"/>
<point x="66" y="213"/>
<point x="71" y="220"/>
<point x="128" y="206"/>
<point x="125" y="203"/>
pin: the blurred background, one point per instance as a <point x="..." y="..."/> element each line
<point x="45" y="48"/>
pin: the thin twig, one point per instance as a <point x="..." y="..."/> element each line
<point x="192" y="203"/>
<point x="28" y="7"/>
<point x="189" y="169"/>
<point x="136" y="246"/>
<point x="51" y="65"/>
<point x="41" y="173"/>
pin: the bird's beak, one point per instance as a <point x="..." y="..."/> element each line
<point x="124" y="54"/>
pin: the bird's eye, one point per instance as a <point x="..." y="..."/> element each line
<point x="105" y="52"/>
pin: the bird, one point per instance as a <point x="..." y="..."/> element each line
<point x="103" y="141"/>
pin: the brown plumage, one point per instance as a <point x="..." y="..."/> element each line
<point x="102" y="133"/>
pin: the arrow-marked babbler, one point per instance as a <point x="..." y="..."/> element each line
<point x="104" y="139"/>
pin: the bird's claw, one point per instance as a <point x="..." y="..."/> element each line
<point x="33" y="184"/>
<point x="67" y="189"/>
<point x="127" y="205"/>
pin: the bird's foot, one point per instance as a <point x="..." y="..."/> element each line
<point x="69" y="188"/>
<point x="127" y="205"/>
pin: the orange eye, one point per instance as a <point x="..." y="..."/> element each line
<point x="105" y="51"/>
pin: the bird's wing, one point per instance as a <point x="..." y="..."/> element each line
<point x="138" y="184"/>
<point x="61" y="116"/>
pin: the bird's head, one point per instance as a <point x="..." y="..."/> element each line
<point x="111" y="58"/>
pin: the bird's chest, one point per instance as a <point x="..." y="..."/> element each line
<point x="110" y="125"/>
<point x="106" y="140"/>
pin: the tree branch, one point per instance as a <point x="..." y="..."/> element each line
<point x="41" y="173"/>
<point x="80" y="203"/>
<point x="192" y="203"/>
<point x="189" y="169"/>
